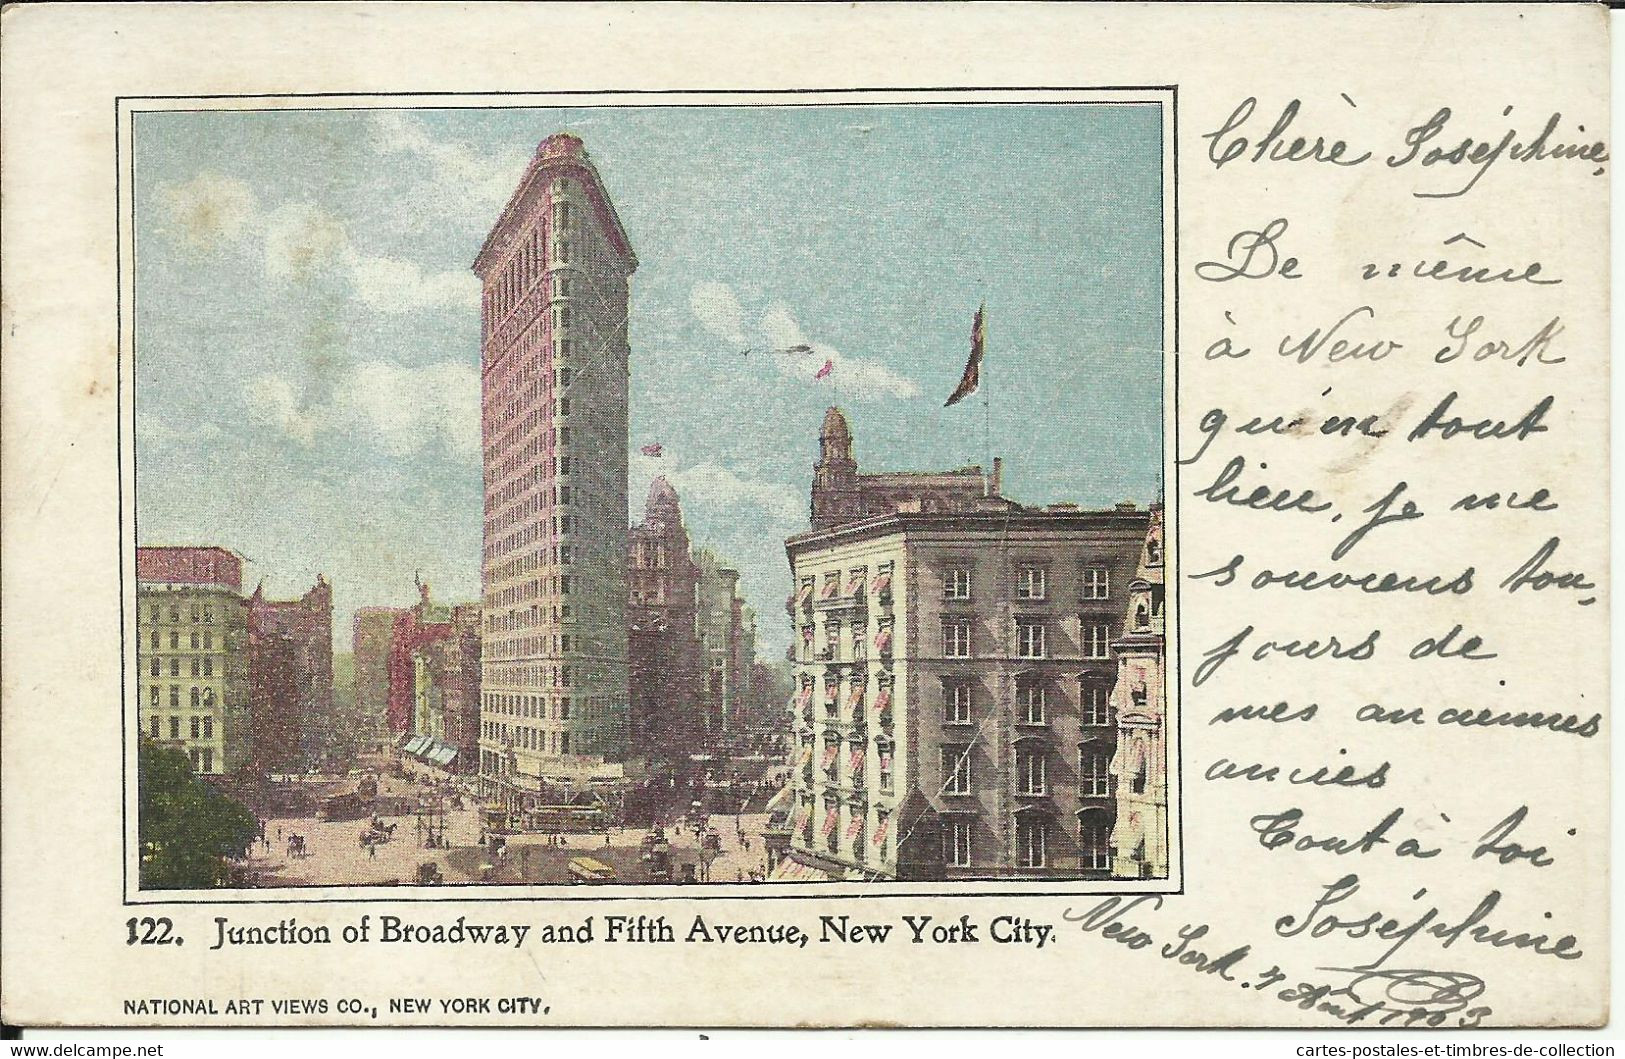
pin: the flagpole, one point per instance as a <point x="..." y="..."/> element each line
<point x="987" y="416"/>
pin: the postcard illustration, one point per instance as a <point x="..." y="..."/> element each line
<point x="627" y="494"/>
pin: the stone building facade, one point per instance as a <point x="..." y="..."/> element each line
<point x="954" y="667"/>
<point x="374" y="626"/>
<point x="415" y="628"/>
<point x="728" y="642"/>
<point x="192" y="650"/>
<point x="556" y="270"/>
<point x="446" y="672"/>
<point x="290" y="669"/>
<point x="663" y="643"/>
<point x="1139" y="835"/>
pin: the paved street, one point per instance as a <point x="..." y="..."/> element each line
<point x="335" y="856"/>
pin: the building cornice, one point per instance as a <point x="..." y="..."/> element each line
<point x="965" y="522"/>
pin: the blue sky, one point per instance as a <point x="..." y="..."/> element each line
<point x="307" y="327"/>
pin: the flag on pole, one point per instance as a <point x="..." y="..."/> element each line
<point x="821" y="373"/>
<point x="652" y="450"/>
<point x="973" y="367"/>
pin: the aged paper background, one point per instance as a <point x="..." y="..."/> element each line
<point x="1363" y="75"/>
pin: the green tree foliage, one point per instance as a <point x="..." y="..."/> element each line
<point x="187" y="829"/>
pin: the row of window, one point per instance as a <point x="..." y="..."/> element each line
<point x="855" y="585"/>
<point x="537" y="706"/>
<point x="1032" y="638"/>
<point x="860" y="643"/>
<point x="856" y="829"/>
<point x="199" y="698"/>
<point x="526" y="737"/>
<point x="201" y="667"/>
<point x="1032" y="702"/>
<point x="1032" y="845"/>
<point x="200" y="613"/>
<point x="851" y="760"/>
<point x="1032" y="767"/>
<point x="526" y="267"/>
<point x="199" y="727"/>
<point x="197" y="640"/>
<point x="1032" y="582"/>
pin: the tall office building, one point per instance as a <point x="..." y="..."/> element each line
<point x="192" y="655"/>
<point x="373" y="628"/>
<point x="554" y="360"/>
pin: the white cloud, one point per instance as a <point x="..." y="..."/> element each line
<point x="460" y="177"/>
<point x="715" y="488"/>
<point x="210" y="209"/>
<point x="273" y="400"/>
<point x="151" y="429"/>
<point x="302" y="242"/>
<point x="392" y="285"/>
<point x="404" y="408"/>
<point x="401" y="410"/>
<point x="866" y="380"/>
<point x="717" y="308"/>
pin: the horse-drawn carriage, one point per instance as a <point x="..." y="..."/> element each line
<point x="378" y="832"/>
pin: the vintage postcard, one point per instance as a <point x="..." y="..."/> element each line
<point x="797" y="494"/>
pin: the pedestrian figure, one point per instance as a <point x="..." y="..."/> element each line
<point x="372" y="850"/>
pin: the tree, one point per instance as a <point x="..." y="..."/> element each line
<point x="187" y="829"/>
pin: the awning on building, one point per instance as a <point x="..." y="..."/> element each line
<point x="799" y="821"/>
<point x="855" y="584"/>
<point x="791" y="870"/>
<point x="881" y="828"/>
<point x="831" y="588"/>
<point x="415" y="747"/>
<point x="856" y="698"/>
<point x="856" y="826"/>
<point x="883" y="641"/>
<point x="882" y="583"/>
<point x="806" y="757"/>
<point x="829" y="754"/>
<point x="777" y="802"/>
<point x="804" y="697"/>
<point x="443" y="755"/>
<point x="804" y="595"/>
<point x="884" y="701"/>
<point x="831" y="818"/>
<point x="855" y="762"/>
